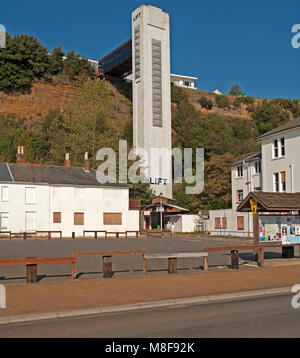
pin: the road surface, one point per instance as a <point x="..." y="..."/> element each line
<point x="262" y="317"/>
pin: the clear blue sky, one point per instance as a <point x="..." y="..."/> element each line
<point x="221" y="42"/>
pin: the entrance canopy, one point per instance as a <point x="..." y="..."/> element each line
<point x="271" y="202"/>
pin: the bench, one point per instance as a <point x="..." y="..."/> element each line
<point x="95" y="233"/>
<point x="106" y="258"/>
<point x="49" y="232"/>
<point x="116" y="233"/>
<point x="287" y="250"/>
<point x="172" y="260"/>
<point x="235" y="253"/>
<point x="32" y="262"/>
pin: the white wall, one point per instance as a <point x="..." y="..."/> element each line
<point x="238" y="183"/>
<point x="290" y="163"/>
<point x="92" y="201"/>
<point x="189" y="223"/>
<point x="231" y="215"/>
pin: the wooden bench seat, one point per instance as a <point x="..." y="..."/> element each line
<point x="172" y="259"/>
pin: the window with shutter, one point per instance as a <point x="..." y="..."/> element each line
<point x="217" y="223"/>
<point x="240" y="223"/>
<point x="57" y="217"/>
<point x="78" y="218"/>
<point x="112" y="218"/>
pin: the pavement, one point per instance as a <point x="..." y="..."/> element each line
<point x="45" y="300"/>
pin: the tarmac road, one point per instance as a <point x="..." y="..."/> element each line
<point x="268" y="317"/>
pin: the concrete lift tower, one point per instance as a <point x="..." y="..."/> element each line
<point x="152" y="94"/>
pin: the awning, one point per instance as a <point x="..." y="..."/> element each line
<point x="271" y="202"/>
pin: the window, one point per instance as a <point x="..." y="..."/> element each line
<point x="282" y="145"/>
<point x="217" y="223"/>
<point x="276" y="153"/>
<point x="239" y="195"/>
<point x="240" y="171"/>
<point x="78" y="218"/>
<point x="112" y="218"/>
<point x="4" y="193"/>
<point x="224" y="223"/>
<point x="240" y="223"/>
<point x="57" y="218"/>
<point x="30" y="197"/>
<point x="283" y="181"/>
<point x="276" y="182"/>
<point x="3" y="221"/>
<point x="257" y="167"/>
<point x="187" y="83"/>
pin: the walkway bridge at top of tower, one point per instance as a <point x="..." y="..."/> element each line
<point x="118" y="63"/>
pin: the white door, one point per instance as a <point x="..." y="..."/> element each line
<point x="30" y="221"/>
<point x="4" y="222"/>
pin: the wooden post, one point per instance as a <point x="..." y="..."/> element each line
<point x="144" y="266"/>
<point x="234" y="259"/>
<point x="172" y="265"/>
<point x="49" y="235"/>
<point x="107" y="267"/>
<point x="31" y="270"/>
<point x="261" y="257"/>
<point x="95" y="234"/>
<point x="255" y="234"/>
<point x="205" y="263"/>
<point x="74" y="273"/>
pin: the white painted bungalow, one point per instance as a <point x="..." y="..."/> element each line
<point x="61" y="198"/>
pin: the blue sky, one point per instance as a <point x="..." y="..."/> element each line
<point x="220" y="42"/>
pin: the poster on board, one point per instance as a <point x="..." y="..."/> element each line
<point x="284" y="229"/>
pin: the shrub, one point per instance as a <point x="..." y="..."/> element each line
<point x="205" y="102"/>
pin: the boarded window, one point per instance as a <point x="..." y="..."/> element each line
<point x="4" y="193"/>
<point x="112" y="218"/>
<point x="217" y="223"/>
<point x="30" y="197"/>
<point x="78" y="218"/>
<point x="57" y="218"/>
<point x="240" y="223"/>
<point x="224" y="223"/>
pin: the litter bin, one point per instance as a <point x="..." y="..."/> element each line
<point x="288" y="252"/>
<point x="158" y="227"/>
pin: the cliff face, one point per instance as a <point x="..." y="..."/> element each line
<point x="37" y="102"/>
<point x="43" y="97"/>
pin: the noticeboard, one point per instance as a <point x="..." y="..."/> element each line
<point x="284" y="229"/>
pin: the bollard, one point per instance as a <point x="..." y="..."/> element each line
<point x="31" y="271"/>
<point x="234" y="259"/>
<point x="172" y="267"/>
<point x="107" y="267"/>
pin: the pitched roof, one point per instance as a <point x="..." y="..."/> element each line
<point x="249" y="158"/>
<point x="50" y="174"/>
<point x="295" y="123"/>
<point x="271" y="202"/>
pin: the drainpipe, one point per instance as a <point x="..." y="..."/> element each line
<point x="292" y="176"/>
<point x="249" y="190"/>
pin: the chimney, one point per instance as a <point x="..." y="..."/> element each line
<point x="21" y="158"/>
<point x="86" y="163"/>
<point x="67" y="160"/>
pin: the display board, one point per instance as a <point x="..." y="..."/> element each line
<point x="283" y="228"/>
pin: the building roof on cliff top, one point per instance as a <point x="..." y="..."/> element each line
<point x="50" y="174"/>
